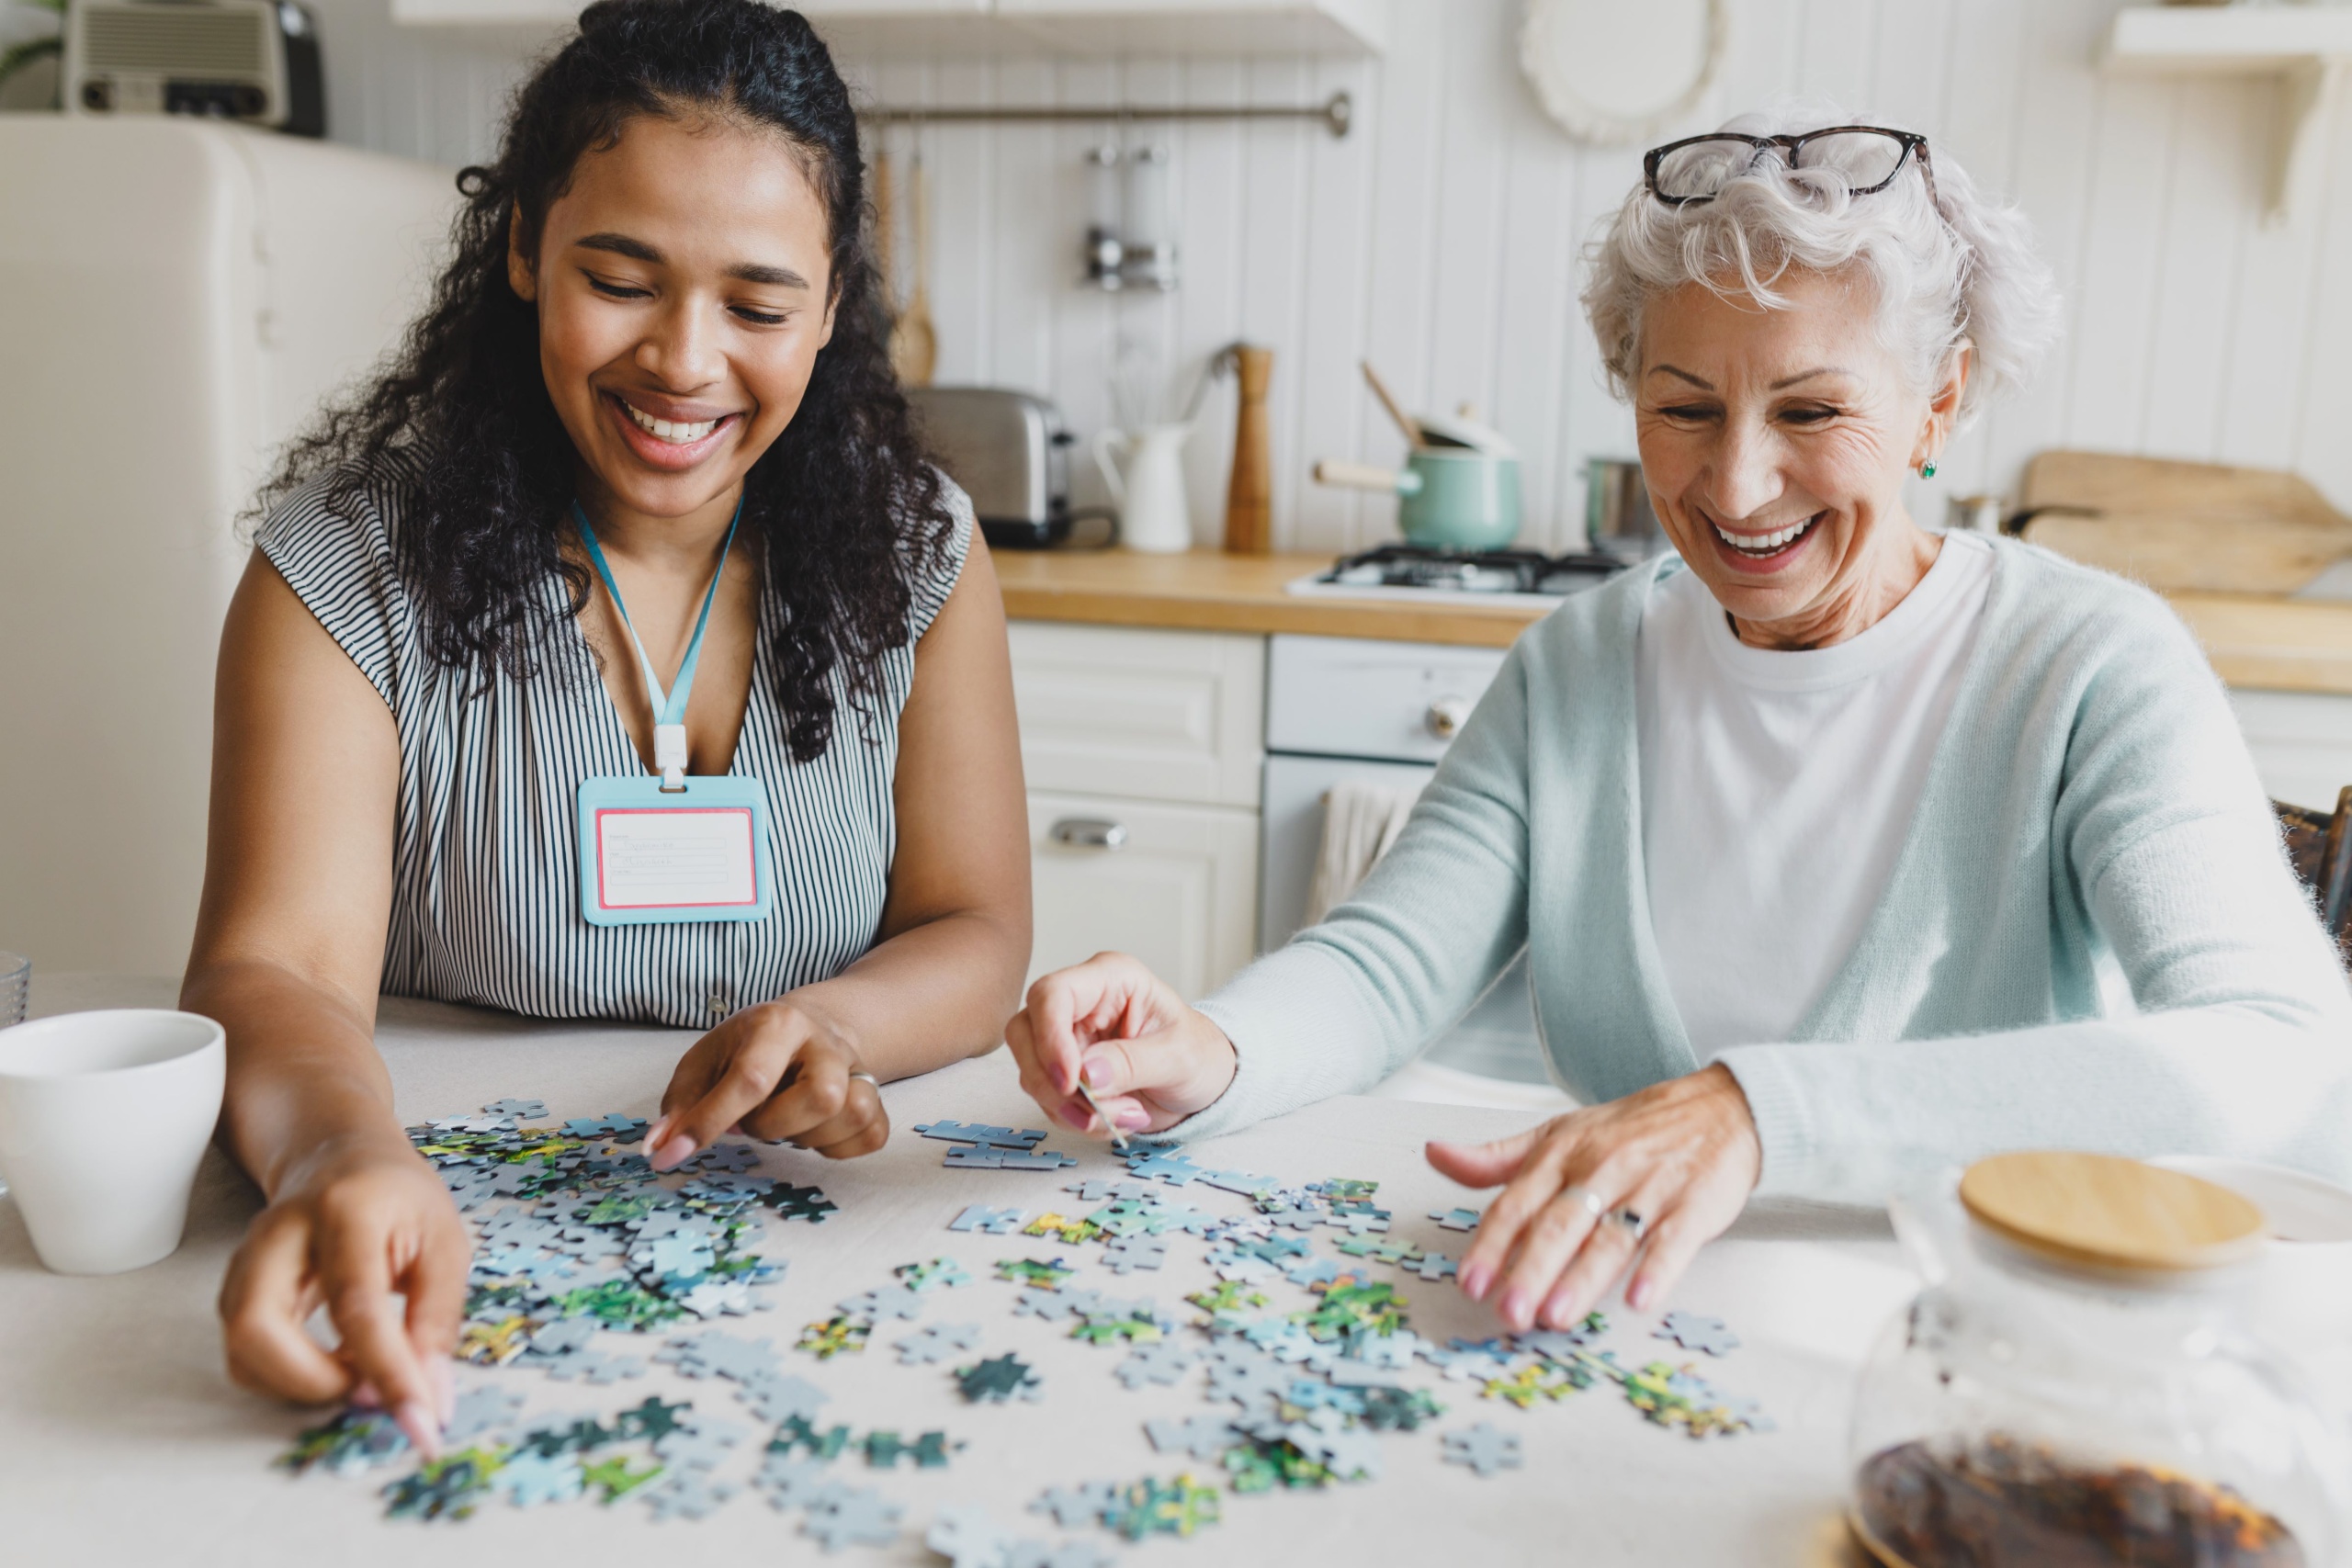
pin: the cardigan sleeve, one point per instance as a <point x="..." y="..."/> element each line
<point x="1350" y="1000"/>
<point x="2242" y="1042"/>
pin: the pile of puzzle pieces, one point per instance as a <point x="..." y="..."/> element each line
<point x="578" y="1237"/>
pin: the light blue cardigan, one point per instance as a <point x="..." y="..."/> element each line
<point x="2090" y="797"/>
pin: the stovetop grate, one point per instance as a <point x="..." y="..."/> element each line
<point x="1471" y="571"/>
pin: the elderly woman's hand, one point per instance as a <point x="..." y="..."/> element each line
<point x="1149" y="1060"/>
<point x="1682" y="1156"/>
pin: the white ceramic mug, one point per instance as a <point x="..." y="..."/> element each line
<point x="103" y="1116"/>
<point x="1153" y="514"/>
<point x="2305" y="1275"/>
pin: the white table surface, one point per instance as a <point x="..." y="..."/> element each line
<point x="122" y="1440"/>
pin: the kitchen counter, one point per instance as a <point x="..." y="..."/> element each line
<point x="1209" y="591"/>
<point x="2255" y="641"/>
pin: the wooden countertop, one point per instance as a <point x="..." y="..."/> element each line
<point x="2276" y="644"/>
<point x="1208" y="590"/>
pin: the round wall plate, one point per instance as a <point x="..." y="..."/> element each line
<point x="1611" y="71"/>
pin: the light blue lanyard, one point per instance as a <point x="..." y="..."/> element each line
<point x="669" y="708"/>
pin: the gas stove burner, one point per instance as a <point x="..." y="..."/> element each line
<point x="1471" y="571"/>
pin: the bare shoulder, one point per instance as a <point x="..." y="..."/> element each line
<point x="271" y="642"/>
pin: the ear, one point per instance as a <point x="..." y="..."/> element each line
<point x="521" y="277"/>
<point x="1943" y="405"/>
<point x="832" y="308"/>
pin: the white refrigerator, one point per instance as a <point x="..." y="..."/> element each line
<point x="176" y="298"/>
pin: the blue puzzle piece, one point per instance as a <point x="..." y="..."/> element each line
<point x="1170" y="1166"/>
<point x="985" y="1137"/>
<point x="993" y="1158"/>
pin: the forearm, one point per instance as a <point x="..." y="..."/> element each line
<point x="933" y="994"/>
<point x="305" y="1083"/>
<point x="1849" y="1123"/>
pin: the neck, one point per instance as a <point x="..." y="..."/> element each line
<point x="1901" y="552"/>
<point x="685" y="546"/>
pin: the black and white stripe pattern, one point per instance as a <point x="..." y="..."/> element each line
<point x="486" y="851"/>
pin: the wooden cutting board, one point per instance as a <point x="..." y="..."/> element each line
<point x="2177" y="525"/>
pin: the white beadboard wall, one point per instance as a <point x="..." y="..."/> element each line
<point x="1441" y="238"/>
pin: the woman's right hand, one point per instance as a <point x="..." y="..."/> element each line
<point x="347" y="1233"/>
<point x="1150" y="1059"/>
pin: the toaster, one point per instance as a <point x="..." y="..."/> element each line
<point x="256" y="60"/>
<point x="1011" y="454"/>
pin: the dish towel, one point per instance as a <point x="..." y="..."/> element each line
<point x="1359" y="821"/>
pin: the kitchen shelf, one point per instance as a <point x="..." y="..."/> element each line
<point x="2306" y="49"/>
<point x="959" y="29"/>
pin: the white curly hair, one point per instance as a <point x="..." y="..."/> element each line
<point x="1958" y="268"/>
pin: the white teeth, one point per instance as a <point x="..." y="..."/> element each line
<point x="674" y="431"/>
<point x="1763" y="544"/>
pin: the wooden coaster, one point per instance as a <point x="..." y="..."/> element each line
<point x="2105" y="1210"/>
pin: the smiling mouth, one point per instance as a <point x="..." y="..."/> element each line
<point x="1763" y="547"/>
<point x="676" y="433"/>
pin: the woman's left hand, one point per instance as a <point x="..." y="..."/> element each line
<point x="779" y="1071"/>
<point x="1680" y="1157"/>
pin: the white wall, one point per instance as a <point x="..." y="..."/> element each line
<point x="1440" y="238"/>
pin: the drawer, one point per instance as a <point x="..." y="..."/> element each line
<point x="1351" y="697"/>
<point x="1175" y="885"/>
<point x="1141" y="714"/>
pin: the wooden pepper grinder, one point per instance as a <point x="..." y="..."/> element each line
<point x="1249" y="499"/>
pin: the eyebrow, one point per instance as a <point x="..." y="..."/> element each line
<point x="1784" y="382"/>
<point x="638" y="250"/>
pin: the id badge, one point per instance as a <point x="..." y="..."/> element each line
<point x="650" y="857"/>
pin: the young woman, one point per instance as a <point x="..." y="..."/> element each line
<point x="616" y="655"/>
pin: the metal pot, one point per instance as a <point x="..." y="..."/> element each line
<point x="1617" y="519"/>
<point x="1448" y="497"/>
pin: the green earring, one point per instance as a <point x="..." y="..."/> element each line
<point x="1927" y="469"/>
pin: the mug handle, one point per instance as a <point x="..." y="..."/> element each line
<point x="1105" y="442"/>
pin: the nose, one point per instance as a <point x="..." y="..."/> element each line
<point x="1744" y="477"/>
<point x="681" y="350"/>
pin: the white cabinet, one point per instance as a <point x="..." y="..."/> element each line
<point x="1143" y="750"/>
<point x="1200" y="27"/>
<point x="1148" y="715"/>
<point x="1179" y="890"/>
<point x="959" y="29"/>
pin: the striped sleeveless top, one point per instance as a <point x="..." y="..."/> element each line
<point x="486" y="847"/>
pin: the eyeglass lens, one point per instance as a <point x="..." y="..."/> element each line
<point x="1864" y="158"/>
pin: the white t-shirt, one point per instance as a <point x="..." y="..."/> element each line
<point x="1778" y="787"/>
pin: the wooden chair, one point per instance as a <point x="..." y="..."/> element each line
<point x="2321" y="848"/>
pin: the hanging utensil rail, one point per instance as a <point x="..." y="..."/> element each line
<point x="1336" y="113"/>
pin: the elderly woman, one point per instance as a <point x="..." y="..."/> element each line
<point x="1820" y="837"/>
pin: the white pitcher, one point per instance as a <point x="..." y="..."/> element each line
<point x="1153" y="516"/>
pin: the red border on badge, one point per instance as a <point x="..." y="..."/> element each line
<point x="751" y="849"/>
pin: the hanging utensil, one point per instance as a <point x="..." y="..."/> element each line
<point x="914" y="346"/>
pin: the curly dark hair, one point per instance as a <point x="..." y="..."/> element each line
<point x="845" y="511"/>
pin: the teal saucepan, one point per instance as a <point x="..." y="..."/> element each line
<point x="1448" y="497"/>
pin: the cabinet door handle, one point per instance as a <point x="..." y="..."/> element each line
<point x="1446" y="717"/>
<point x="1089" y="833"/>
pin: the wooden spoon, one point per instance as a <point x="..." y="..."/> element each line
<point x="1405" y="422"/>
<point x="914" y="347"/>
